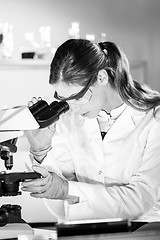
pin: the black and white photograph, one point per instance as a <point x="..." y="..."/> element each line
<point x="80" y="119"/>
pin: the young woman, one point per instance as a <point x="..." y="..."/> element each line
<point x="103" y="156"/>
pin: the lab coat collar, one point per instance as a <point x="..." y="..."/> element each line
<point x="125" y="123"/>
<point x="115" y="113"/>
<point x="106" y="120"/>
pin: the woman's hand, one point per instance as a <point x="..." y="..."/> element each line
<point x="50" y="186"/>
<point x="40" y="139"/>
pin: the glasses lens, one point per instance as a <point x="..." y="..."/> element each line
<point x="78" y="95"/>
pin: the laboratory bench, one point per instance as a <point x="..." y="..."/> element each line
<point x="50" y="231"/>
<point x="136" y="231"/>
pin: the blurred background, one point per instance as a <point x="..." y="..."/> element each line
<point x="31" y="30"/>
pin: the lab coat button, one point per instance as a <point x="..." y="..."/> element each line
<point x="100" y="172"/>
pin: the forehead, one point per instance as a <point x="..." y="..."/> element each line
<point x="65" y="90"/>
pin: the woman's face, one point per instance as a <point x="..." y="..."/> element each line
<point x="87" y="106"/>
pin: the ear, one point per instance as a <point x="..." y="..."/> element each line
<point x="102" y="78"/>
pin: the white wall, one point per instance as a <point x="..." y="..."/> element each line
<point x="19" y="86"/>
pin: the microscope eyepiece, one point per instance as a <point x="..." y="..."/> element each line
<point x="38" y="107"/>
<point x="60" y="107"/>
<point x="46" y="114"/>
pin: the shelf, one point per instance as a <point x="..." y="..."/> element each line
<point x="40" y="64"/>
<point x="24" y="64"/>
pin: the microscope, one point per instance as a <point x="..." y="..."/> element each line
<point x="13" y="123"/>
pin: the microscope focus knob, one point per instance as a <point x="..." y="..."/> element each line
<point x="4" y="217"/>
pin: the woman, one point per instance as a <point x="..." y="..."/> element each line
<point x="104" y="159"/>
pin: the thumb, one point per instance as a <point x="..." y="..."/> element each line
<point x="40" y="170"/>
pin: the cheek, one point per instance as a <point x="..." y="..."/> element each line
<point x="80" y="109"/>
<point x="93" y="107"/>
<point x="75" y="108"/>
<point x="95" y="104"/>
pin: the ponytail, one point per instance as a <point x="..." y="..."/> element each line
<point x="133" y="93"/>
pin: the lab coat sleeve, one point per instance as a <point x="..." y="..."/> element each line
<point x="58" y="159"/>
<point x="128" y="201"/>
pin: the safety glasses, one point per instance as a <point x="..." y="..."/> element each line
<point x="79" y="95"/>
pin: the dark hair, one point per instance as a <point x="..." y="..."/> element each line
<point x="77" y="60"/>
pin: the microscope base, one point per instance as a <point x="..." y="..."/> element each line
<point x="12" y="230"/>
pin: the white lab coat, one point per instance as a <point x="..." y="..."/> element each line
<point x="116" y="177"/>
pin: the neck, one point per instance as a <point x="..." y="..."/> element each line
<point x="112" y="101"/>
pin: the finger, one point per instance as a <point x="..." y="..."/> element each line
<point x="41" y="195"/>
<point x="29" y="183"/>
<point x="37" y="195"/>
<point x="34" y="100"/>
<point x="30" y="103"/>
<point x="38" y="183"/>
<point x="35" y="183"/>
<point x="36" y="188"/>
<point x="52" y="129"/>
<point x="41" y="170"/>
<point x="28" y="167"/>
